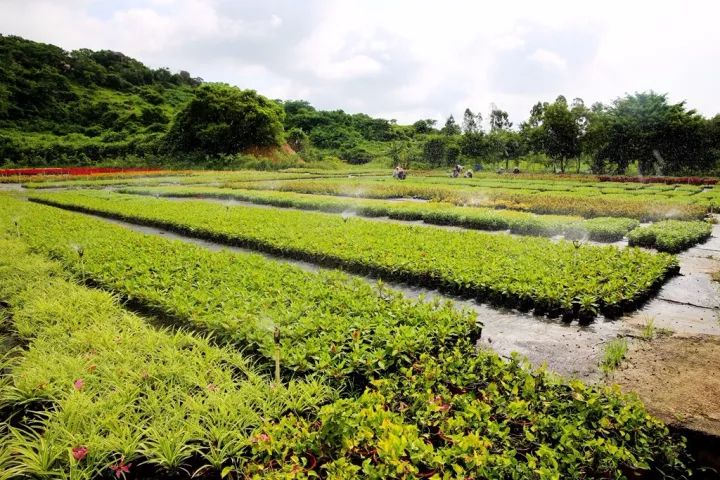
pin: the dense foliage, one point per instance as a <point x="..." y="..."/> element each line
<point x="59" y="107"/>
<point x="224" y="119"/>
<point x="545" y="197"/>
<point x="671" y="235"/>
<point x="328" y="322"/>
<point x="96" y="387"/>
<point x="527" y="273"/>
<point x="437" y="213"/>
<point x="98" y="392"/>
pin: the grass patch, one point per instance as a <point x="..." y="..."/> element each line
<point x="613" y="354"/>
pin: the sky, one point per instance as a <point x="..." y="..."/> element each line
<point x="405" y="60"/>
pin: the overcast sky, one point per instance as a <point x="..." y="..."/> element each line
<point x="405" y="59"/>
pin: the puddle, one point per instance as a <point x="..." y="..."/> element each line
<point x="406" y="199"/>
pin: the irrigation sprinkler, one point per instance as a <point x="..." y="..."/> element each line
<point x="276" y="337"/>
<point x="81" y="253"/>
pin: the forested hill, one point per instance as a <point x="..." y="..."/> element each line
<point x="84" y="106"/>
<point x="98" y="103"/>
<point x="89" y="107"/>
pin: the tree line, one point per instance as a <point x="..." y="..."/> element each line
<point x="59" y="107"/>
<point x="645" y="129"/>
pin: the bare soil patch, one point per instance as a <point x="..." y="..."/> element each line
<point x="678" y="379"/>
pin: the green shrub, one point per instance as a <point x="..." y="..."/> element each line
<point x="671" y="235"/>
<point x="554" y="278"/>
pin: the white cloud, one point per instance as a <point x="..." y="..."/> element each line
<point x="353" y="67"/>
<point x="548" y="58"/>
<point x="408" y="59"/>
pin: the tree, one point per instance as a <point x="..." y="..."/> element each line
<point x="582" y="116"/>
<point x="356" y="155"/>
<point x="470" y="124"/>
<point x="503" y="146"/>
<point x="424" y="126"/>
<point x="499" y="120"/>
<point x="225" y="119"/>
<point x="434" y="151"/>
<point x="663" y="138"/>
<point x="473" y="145"/>
<point x="451" y="127"/>
<point x="560" y="134"/>
<point x="452" y="153"/>
<point x="297" y="139"/>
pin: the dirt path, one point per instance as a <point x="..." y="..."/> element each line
<point x="678" y="378"/>
<point x="677" y="373"/>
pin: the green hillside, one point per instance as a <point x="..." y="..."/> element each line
<point x="56" y="104"/>
<point x="101" y="107"/>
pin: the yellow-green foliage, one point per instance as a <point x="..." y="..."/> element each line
<point x="557" y="278"/>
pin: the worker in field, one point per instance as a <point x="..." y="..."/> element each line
<point x="399" y="173"/>
<point x="457" y="171"/>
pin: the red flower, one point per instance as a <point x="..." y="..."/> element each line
<point x="121" y="468"/>
<point x="79" y="384"/>
<point x="79" y="453"/>
<point x="262" y="437"/>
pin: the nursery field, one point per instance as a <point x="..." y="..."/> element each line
<point x="289" y="350"/>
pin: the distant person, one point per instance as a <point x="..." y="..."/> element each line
<point x="399" y="173"/>
<point x="469" y="174"/>
<point x="457" y="171"/>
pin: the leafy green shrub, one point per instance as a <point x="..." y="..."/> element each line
<point x="556" y="198"/>
<point x="464" y="414"/>
<point x="602" y="229"/>
<point x="554" y="278"/>
<point x="163" y="404"/>
<point x="356" y="156"/>
<point x="330" y="324"/>
<point x="96" y="387"/>
<point x="671" y="235"/>
<point x="523" y="223"/>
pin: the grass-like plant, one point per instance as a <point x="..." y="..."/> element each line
<point x="614" y="353"/>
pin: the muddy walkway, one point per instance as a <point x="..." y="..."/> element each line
<point x="673" y="362"/>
